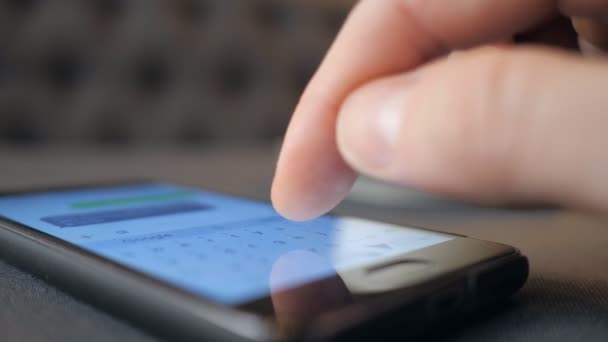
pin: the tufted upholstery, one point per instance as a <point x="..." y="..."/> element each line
<point x="157" y="71"/>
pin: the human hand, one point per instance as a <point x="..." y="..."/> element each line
<point x="487" y="124"/>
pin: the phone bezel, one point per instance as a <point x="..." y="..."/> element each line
<point x="252" y="327"/>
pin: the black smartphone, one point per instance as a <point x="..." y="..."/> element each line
<point x="196" y="265"/>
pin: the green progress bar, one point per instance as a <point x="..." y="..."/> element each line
<point x="133" y="200"/>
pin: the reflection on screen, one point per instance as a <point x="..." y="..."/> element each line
<point x="221" y="247"/>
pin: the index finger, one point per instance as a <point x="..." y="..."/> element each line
<point x="379" y="38"/>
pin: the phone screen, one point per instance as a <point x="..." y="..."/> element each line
<point x="221" y="247"/>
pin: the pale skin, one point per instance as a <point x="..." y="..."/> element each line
<point x="492" y="125"/>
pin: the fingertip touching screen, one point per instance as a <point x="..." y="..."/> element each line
<point x="224" y="248"/>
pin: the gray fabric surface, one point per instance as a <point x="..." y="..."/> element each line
<point x="32" y="310"/>
<point x="547" y="310"/>
<point x="566" y="298"/>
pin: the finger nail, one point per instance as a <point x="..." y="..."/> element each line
<point x="589" y="49"/>
<point x="371" y="122"/>
<point x="593" y="35"/>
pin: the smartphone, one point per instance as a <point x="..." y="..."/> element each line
<point x="191" y="264"/>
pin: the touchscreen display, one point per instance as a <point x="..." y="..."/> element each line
<point x="221" y="247"/>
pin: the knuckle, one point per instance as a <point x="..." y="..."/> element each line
<point x="486" y="131"/>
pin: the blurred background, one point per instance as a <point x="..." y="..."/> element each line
<point x="157" y="72"/>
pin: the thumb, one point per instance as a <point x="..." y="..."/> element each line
<point x="492" y="125"/>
